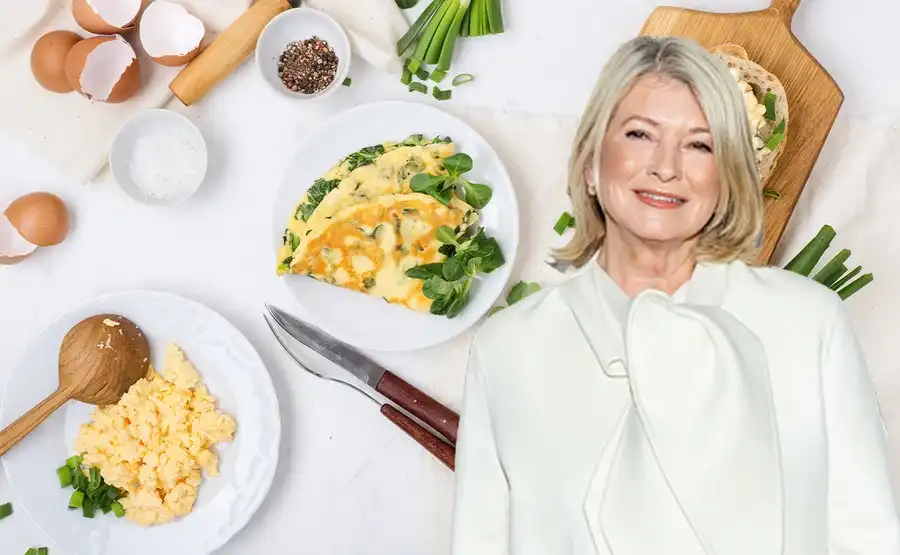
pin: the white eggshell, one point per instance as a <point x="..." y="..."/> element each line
<point x="118" y="13"/>
<point x="169" y="33"/>
<point x="104" y="66"/>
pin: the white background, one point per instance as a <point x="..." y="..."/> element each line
<point x="349" y="482"/>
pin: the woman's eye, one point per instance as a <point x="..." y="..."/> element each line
<point x="637" y="135"/>
<point x="699" y="145"/>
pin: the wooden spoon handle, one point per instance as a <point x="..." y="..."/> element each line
<point x="433" y="444"/>
<point x="16" y="432"/>
<point x="786" y="9"/>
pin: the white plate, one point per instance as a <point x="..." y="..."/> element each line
<point x="231" y="369"/>
<point x="365" y="321"/>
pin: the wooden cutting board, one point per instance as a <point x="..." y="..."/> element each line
<point x="814" y="99"/>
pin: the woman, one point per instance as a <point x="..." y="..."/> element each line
<point x="670" y="399"/>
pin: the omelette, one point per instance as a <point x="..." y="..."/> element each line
<point x="368" y="247"/>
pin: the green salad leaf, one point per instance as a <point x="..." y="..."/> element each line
<point x="314" y="196"/>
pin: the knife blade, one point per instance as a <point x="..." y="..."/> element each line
<point x="382" y="380"/>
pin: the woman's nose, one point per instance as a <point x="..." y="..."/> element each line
<point x="666" y="162"/>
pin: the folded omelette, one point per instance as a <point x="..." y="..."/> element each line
<point x="361" y="227"/>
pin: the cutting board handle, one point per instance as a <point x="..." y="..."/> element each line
<point x="786" y="9"/>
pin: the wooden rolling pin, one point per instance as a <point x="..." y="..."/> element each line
<point x="227" y="51"/>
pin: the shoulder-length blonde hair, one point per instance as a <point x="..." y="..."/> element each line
<point x="734" y="228"/>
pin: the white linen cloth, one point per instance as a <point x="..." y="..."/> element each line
<point x="75" y="135"/>
<point x="735" y="417"/>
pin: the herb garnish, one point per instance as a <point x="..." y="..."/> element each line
<point x="314" y="196"/>
<point x="442" y="187"/>
<point x="518" y="292"/>
<point x="449" y="283"/>
<point x="364" y="157"/>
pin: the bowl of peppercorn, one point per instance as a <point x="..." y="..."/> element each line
<point x="303" y="54"/>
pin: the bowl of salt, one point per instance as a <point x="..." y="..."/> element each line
<point x="159" y="158"/>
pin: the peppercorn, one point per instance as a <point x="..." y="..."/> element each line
<point x="307" y="66"/>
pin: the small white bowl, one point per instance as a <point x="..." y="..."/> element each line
<point x="159" y="158"/>
<point x="300" y="24"/>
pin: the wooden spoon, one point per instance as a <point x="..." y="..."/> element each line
<point x="99" y="360"/>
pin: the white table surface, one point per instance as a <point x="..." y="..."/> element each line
<point x="348" y="482"/>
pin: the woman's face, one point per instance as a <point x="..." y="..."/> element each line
<point x="658" y="180"/>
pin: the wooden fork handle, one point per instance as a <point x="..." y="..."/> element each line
<point x="420" y="405"/>
<point x="16" y="432"/>
<point x="432" y="443"/>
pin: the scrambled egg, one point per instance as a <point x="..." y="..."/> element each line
<point x="156" y="441"/>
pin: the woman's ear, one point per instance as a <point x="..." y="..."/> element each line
<point x="590" y="179"/>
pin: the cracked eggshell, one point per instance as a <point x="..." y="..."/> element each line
<point x="104" y="69"/>
<point x="105" y="17"/>
<point x="170" y="34"/>
<point x="48" y="60"/>
<point x="13" y="247"/>
<point x="39" y="218"/>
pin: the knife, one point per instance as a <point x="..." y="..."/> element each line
<point x="422" y="406"/>
<point x="442" y="450"/>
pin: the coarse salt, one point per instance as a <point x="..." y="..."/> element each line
<point x="165" y="165"/>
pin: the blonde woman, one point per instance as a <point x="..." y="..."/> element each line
<point x="670" y="399"/>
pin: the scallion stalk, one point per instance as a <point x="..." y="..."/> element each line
<point x="65" y="476"/>
<point x="117" y="509"/>
<point x="406" y="40"/>
<point x="438" y="75"/>
<point x="855" y="286"/>
<point x="464" y="30"/>
<point x="847" y="277"/>
<point x="6" y="509"/>
<point x="834" y="269"/>
<point x="438" y="41"/>
<point x="422" y="74"/>
<point x="810" y="255"/>
<point x="406" y="76"/>
<point x="77" y="500"/>
<point x="450" y="41"/>
<point x="495" y="17"/>
<point x="421" y="50"/>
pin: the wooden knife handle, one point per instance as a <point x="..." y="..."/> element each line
<point x="423" y="407"/>
<point x="435" y="445"/>
<point x="227" y="51"/>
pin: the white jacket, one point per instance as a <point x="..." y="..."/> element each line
<point x="735" y="417"/>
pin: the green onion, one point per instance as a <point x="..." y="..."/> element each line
<point x="777" y="136"/>
<point x="834" y="269"/>
<point x="564" y="222"/>
<point x="5" y="510"/>
<point x="406" y="40"/>
<point x="422" y="74"/>
<point x="855" y="286"/>
<point x="771" y="193"/>
<point x="461" y="79"/>
<point x="87" y="508"/>
<point x="847" y="277"/>
<point x="444" y="28"/>
<point x="441" y="95"/>
<point x="106" y="509"/>
<point x="65" y="476"/>
<point x="769" y="102"/>
<point x="428" y="34"/>
<point x="32" y="551"/>
<point x="810" y="255"/>
<point x="117" y="509"/>
<point x="406" y="4"/>
<point x="495" y="17"/>
<point x="438" y="75"/>
<point x="43" y="551"/>
<point x="450" y="42"/>
<point x="464" y="28"/>
<point x="406" y="76"/>
<point x="72" y="462"/>
<point x="77" y="500"/>
<point x="418" y="87"/>
<point x="347" y="82"/>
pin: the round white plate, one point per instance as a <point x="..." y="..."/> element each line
<point x="365" y="321"/>
<point x="233" y="372"/>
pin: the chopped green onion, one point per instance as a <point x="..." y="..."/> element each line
<point x="406" y="4"/>
<point x="461" y="79"/>
<point x="87" y="508"/>
<point x="422" y="74"/>
<point x="438" y="75"/>
<point x="65" y="476"/>
<point x="855" y="286"/>
<point x="564" y="222"/>
<point x="406" y="76"/>
<point x="441" y="95"/>
<point x="347" y="82"/>
<point x="74" y="461"/>
<point x="771" y="193"/>
<point x="834" y="269"/>
<point x="117" y="509"/>
<point x="32" y="551"/>
<point x="438" y="40"/>
<point x="847" y="277"/>
<point x="106" y="509"/>
<point x="774" y="141"/>
<point x="769" y="102"/>
<point x="5" y="510"/>
<point x="418" y="87"/>
<point x="810" y="255"/>
<point x="77" y="500"/>
<point x="43" y="551"/>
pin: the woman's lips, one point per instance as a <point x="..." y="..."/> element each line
<point x="658" y="199"/>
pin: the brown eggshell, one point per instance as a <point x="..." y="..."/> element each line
<point x="175" y="61"/>
<point x="48" y="60"/>
<point x="128" y="84"/>
<point x="10" y="260"/>
<point x="90" y="21"/>
<point x="41" y="218"/>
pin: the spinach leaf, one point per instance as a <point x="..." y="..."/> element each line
<point x="461" y="300"/>
<point x="364" y="157"/>
<point x="426" y="271"/>
<point x="416" y="139"/>
<point x="446" y="235"/>
<point x="314" y="196"/>
<point x="442" y="140"/>
<point x="452" y="270"/>
<point x="477" y="194"/>
<point x="458" y="164"/>
<point x="435" y="287"/>
<point x="521" y="290"/>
